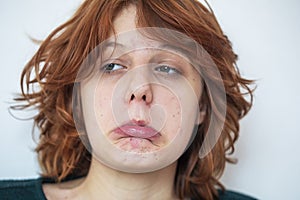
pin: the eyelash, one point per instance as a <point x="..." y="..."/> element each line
<point x="106" y="66"/>
<point x="166" y="67"/>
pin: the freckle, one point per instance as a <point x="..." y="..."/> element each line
<point x="178" y="113"/>
<point x="173" y="115"/>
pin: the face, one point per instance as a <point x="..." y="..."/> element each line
<point x="141" y="104"/>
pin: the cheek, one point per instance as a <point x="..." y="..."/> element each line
<point x="196" y="84"/>
<point x="182" y="111"/>
<point x="102" y="106"/>
<point x="172" y="109"/>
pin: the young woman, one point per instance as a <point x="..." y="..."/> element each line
<point x="137" y="100"/>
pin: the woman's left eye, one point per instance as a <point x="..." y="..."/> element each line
<point x="167" y="69"/>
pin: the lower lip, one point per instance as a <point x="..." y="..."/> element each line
<point x="130" y="143"/>
<point x="137" y="132"/>
<point x="117" y="135"/>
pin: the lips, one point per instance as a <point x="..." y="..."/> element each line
<point x="133" y="130"/>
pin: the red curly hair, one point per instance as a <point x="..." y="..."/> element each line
<point x="56" y="63"/>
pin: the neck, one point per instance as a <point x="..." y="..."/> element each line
<point x="108" y="183"/>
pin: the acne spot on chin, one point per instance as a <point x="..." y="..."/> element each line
<point x="134" y="143"/>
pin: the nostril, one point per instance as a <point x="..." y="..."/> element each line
<point x="132" y="97"/>
<point x="144" y="97"/>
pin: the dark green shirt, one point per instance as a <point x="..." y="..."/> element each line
<point x="32" y="190"/>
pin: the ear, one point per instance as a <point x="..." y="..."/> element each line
<point x="202" y="113"/>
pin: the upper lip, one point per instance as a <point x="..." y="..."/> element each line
<point x="135" y="130"/>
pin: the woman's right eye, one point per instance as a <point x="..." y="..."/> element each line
<point x="111" y="67"/>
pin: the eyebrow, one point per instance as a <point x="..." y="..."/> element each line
<point x="162" y="46"/>
<point x="113" y="44"/>
<point x="165" y="46"/>
<point x="175" y="49"/>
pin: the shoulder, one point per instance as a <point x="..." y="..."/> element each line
<point x="231" y="195"/>
<point x="21" y="189"/>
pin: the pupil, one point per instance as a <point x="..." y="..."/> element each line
<point x="110" y="66"/>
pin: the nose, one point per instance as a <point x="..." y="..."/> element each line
<point x="140" y="87"/>
<point x="142" y="94"/>
<point x="139" y="103"/>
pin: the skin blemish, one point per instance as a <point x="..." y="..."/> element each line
<point x="134" y="143"/>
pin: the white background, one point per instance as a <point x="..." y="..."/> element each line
<point x="264" y="33"/>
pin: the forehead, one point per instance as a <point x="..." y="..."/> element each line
<point x="133" y="39"/>
<point x="125" y="20"/>
<point x="141" y="47"/>
<point x="127" y="36"/>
